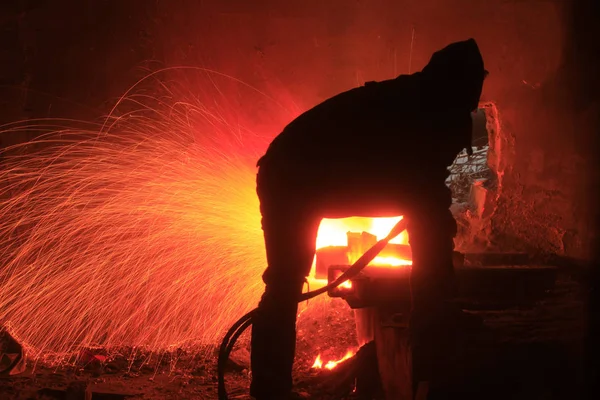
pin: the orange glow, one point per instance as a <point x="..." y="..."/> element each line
<point x="389" y="262"/>
<point x="346" y="285"/>
<point x="143" y="231"/>
<point x="334" y="232"/>
<point x="318" y="364"/>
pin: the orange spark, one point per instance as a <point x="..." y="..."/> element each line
<point x="143" y="230"/>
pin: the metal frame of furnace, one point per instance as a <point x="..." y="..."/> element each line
<point x="373" y="287"/>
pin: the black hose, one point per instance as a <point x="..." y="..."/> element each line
<point x="243" y="323"/>
<point x="225" y="350"/>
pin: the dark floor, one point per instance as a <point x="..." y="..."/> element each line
<point x="532" y="353"/>
<point x="524" y="354"/>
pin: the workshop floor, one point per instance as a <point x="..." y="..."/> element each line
<point x="527" y="354"/>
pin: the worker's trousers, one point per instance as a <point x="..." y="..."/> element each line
<point x="290" y="225"/>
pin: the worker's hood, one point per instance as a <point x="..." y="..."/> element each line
<point x="455" y="75"/>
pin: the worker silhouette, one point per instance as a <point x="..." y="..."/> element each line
<point x="380" y="150"/>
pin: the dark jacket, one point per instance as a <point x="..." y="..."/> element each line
<point x="366" y="147"/>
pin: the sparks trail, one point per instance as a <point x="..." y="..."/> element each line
<point x="143" y="230"/>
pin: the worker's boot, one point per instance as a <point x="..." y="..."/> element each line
<point x="273" y="346"/>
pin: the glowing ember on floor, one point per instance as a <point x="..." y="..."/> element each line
<point x="318" y="364"/>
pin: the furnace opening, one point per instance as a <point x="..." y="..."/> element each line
<point x="468" y="170"/>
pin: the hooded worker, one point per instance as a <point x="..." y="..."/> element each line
<point x="380" y="150"/>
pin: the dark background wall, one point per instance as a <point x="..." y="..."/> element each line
<point x="69" y="58"/>
<point x="72" y="58"/>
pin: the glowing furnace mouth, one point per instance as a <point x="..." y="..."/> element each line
<point x="343" y="241"/>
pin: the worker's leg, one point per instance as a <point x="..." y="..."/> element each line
<point x="431" y="234"/>
<point x="290" y="244"/>
<point x="437" y="325"/>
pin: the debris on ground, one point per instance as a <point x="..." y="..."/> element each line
<point x="12" y="356"/>
<point x="239" y="360"/>
<point x="537" y="358"/>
